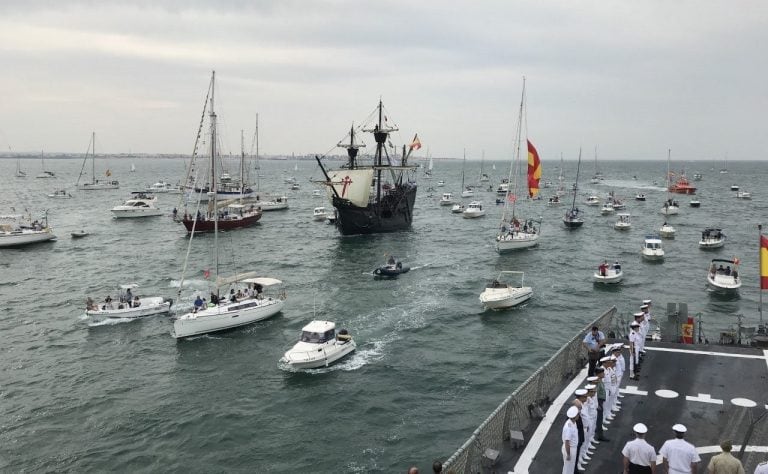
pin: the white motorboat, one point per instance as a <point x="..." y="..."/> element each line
<point x="667" y="231"/>
<point x="441" y="183"/>
<point x="607" y="209"/>
<point x="320" y="214"/>
<point x="474" y="209"/>
<point x="502" y="189"/>
<point x="317" y="193"/>
<point x="162" y="187"/>
<point x="695" y="203"/>
<point x="458" y="208"/>
<point x="222" y="314"/>
<point x="295" y="187"/>
<point x="608" y="274"/>
<point x="331" y="216"/>
<point x="446" y="199"/>
<point x="499" y="295"/>
<point x="734" y="187"/>
<point x="515" y="236"/>
<point x="271" y="203"/>
<point x="554" y="201"/>
<point x="95" y="184"/>
<point x="624" y="222"/>
<point x="128" y="305"/>
<point x="724" y="279"/>
<point x="60" y="194"/>
<point x="640" y="197"/>
<point x="319" y="346"/>
<point x="17" y="230"/>
<point x="652" y="249"/>
<point x="140" y="205"/>
<point x="670" y="207"/>
<point x="743" y="195"/>
<point x="592" y="201"/>
<point x="711" y="238"/>
<point x="79" y="234"/>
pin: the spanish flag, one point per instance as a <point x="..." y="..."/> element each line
<point x="763" y="262"/>
<point x="108" y="173"/>
<point x="534" y="170"/>
<point x="416" y="143"/>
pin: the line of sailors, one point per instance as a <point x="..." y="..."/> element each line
<point x="597" y="403"/>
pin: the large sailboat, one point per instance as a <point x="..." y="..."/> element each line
<point x="95" y="184"/>
<point x="518" y="233"/>
<point x="573" y="218"/>
<point x="230" y="213"/>
<point x="373" y="198"/>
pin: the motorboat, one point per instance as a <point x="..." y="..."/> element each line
<point x="640" y="197"/>
<point x="474" y="209"/>
<point x="724" y="279"/>
<point x="682" y="186"/>
<point x="222" y="314"/>
<point x="517" y="235"/>
<point x="697" y="177"/>
<point x="320" y="214"/>
<point x="140" y="205"/>
<point x="78" y="234"/>
<point x="317" y="193"/>
<point x="503" y="188"/>
<point x="592" y="201"/>
<point x="554" y="201"/>
<point x="392" y="268"/>
<point x="711" y="238"/>
<point x="695" y="203"/>
<point x="319" y="346"/>
<point x="502" y="295"/>
<point x="17" y="230"/>
<point x="743" y="195"/>
<point x="667" y="231"/>
<point x="441" y="183"/>
<point x="295" y="187"/>
<point x="161" y="187"/>
<point x="271" y="203"/>
<point x="652" y="249"/>
<point x="608" y="274"/>
<point x="624" y="222"/>
<point x="60" y="194"/>
<point x="446" y="199"/>
<point x="734" y="187"/>
<point x="331" y="216"/>
<point x="670" y="207"/>
<point x="607" y="208"/>
<point x="127" y="305"/>
<point x="458" y="208"/>
<point x="618" y="205"/>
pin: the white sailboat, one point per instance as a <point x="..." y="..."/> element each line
<point x="18" y="230"/>
<point x="265" y="201"/>
<point x="670" y="206"/>
<point x="19" y="172"/>
<point x="514" y="234"/>
<point x="598" y="176"/>
<point x="466" y="191"/>
<point x="428" y="171"/>
<point x="573" y="217"/>
<point x="95" y="184"/>
<point x="44" y="173"/>
<point x="484" y="178"/>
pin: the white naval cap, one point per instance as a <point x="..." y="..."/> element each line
<point x="590" y="386"/>
<point x="605" y="359"/>
<point x="646" y="301"/>
<point x="580" y="392"/>
<point x="592" y="378"/>
<point x="617" y="347"/>
<point x="640" y="428"/>
<point x="644" y="306"/>
<point x="639" y="315"/>
<point x="573" y="411"/>
<point x="679" y="428"/>
<point x="634" y="324"/>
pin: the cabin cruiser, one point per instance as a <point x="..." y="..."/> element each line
<point x="608" y="274"/>
<point x="652" y="249"/>
<point x="667" y="231"/>
<point x="140" y="205"/>
<point x="446" y="199"/>
<point x="319" y="346"/>
<point x="640" y="197"/>
<point x="724" y="279"/>
<point x="712" y="238"/>
<point x="592" y="201"/>
<point x="127" y="305"/>
<point x="498" y="295"/>
<point x="473" y="210"/>
<point x="743" y="195"/>
<point x="320" y="213"/>
<point x="502" y="189"/>
<point x="624" y="222"/>
<point x="458" y="208"/>
<point x="607" y="209"/>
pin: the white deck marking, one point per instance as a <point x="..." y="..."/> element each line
<point x="743" y="402"/>
<point x="537" y="439"/>
<point x="663" y="393"/>
<point x="632" y="390"/>
<point x="705" y="398"/>
<point x="712" y="353"/>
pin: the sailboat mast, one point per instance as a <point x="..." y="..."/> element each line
<point x="258" y="165"/>
<point x="214" y="187"/>
<point x="576" y="185"/>
<point x="518" y="139"/>
<point x="669" y="156"/>
<point x="242" y="163"/>
<point x="93" y="158"/>
<point x="380" y="139"/>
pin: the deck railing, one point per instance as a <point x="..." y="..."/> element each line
<point x="524" y="405"/>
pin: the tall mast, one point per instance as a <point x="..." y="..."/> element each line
<point x="576" y="185"/>
<point x="258" y="166"/>
<point x="214" y="186"/>
<point x="381" y="137"/>
<point x="93" y="158"/>
<point x="242" y="164"/>
<point x="516" y="165"/>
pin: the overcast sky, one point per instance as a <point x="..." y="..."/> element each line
<point x="630" y="77"/>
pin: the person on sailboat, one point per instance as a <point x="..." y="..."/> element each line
<point x="199" y="304"/>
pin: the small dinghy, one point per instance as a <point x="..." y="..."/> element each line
<point x="392" y="268"/>
<point x="608" y="274"/>
<point x="78" y="234"/>
<point x="695" y="203"/>
<point x="319" y="346"/>
<point x="501" y="295"/>
<point x="712" y="238"/>
<point x="640" y="197"/>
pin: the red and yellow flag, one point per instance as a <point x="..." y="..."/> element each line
<point x="763" y="262"/>
<point x="416" y="143"/>
<point x="534" y="170"/>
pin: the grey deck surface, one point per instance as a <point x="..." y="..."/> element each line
<point x="708" y="373"/>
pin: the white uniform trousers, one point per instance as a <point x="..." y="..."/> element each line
<point x="569" y="466"/>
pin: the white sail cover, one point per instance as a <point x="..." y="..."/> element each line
<point x="221" y="281"/>
<point x="354" y="185"/>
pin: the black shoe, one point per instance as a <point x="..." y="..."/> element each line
<point x="602" y="438"/>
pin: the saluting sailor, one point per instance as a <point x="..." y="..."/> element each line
<point x="679" y="456"/>
<point x="570" y="439"/>
<point x="634" y="349"/>
<point x="639" y="456"/>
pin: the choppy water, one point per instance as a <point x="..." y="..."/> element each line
<point x="430" y="364"/>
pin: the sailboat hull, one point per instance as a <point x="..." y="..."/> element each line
<point x="98" y="185"/>
<point x="392" y="214"/>
<point x="233" y="222"/>
<point x="225" y="316"/>
<point x="572" y="224"/>
<point x="518" y="241"/>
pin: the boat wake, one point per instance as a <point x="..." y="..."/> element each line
<point x="358" y="359"/>
<point x="108" y="321"/>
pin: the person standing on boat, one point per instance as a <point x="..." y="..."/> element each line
<point x="592" y="343"/>
<point x="679" y="456"/>
<point x="639" y="456"/>
<point x="582" y="422"/>
<point x="570" y="437"/>
<point x="634" y="349"/>
<point x="591" y="412"/>
<point x="640" y="320"/>
<point x="599" y="424"/>
<point x="620" y="369"/>
<point x="129" y="297"/>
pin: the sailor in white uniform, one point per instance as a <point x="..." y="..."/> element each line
<point x="620" y="369"/>
<point x="580" y="403"/>
<point x="590" y="408"/>
<point x="762" y="468"/>
<point x="570" y="439"/>
<point x="610" y="388"/>
<point x="679" y="456"/>
<point x="639" y="456"/>
<point x="643" y="330"/>
<point x="634" y="348"/>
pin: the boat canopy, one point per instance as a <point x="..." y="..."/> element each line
<point x="263" y="281"/>
<point x="735" y="261"/>
<point x="319" y="326"/>
<point x="221" y="281"/>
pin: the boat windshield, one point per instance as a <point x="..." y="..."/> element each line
<point x="317" y="337"/>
